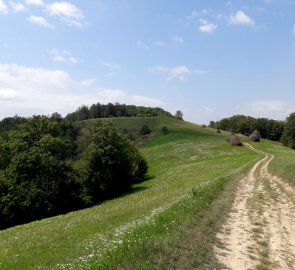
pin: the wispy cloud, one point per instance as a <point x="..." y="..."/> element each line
<point x="8" y="94"/>
<point x="207" y="27"/>
<point x="202" y="12"/>
<point x="159" y="43"/>
<point x="67" y="12"/>
<point x="27" y="91"/>
<point x="63" y="56"/>
<point x="141" y="45"/>
<point x="275" y="109"/>
<point x="178" y="72"/>
<point x="40" y="21"/>
<point x="3" y="8"/>
<point x="17" y="7"/>
<point x="112" y="68"/>
<point x="240" y="17"/>
<point x="177" y="39"/>
<point x="35" y="2"/>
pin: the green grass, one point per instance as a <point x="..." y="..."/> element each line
<point x="189" y="158"/>
<point x="284" y="163"/>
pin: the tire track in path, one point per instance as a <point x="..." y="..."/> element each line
<point x="259" y="232"/>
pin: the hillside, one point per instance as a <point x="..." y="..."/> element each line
<point x="188" y="168"/>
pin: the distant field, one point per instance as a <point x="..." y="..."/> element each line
<point x="187" y="162"/>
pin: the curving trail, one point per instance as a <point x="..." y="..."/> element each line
<point x="260" y="230"/>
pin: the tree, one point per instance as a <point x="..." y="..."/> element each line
<point x="110" y="164"/>
<point x="38" y="181"/>
<point x="288" y="137"/>
<point x="145" y="130"/>
<point x="179" y="115"/>
<point x="212" y="124"/>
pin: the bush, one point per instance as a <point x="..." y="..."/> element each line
<point x="165" y="130"/>
<point x="145" y="130"/>
<point x="110" y="164"/>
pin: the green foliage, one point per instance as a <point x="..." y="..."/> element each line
<point x="145" y="130"/>
<point x="269" y="129"/>
<point x="165" y="130"/>
<point x="179" y="115"/>
<point x="38" y="177"/>
<point x="115" y="110"/>
<point x="37" y="180"/>
<point x="109" y="165"/>
<point x="288" y="137"/>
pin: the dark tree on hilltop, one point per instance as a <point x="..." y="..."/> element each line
<point x="179" y="115"/>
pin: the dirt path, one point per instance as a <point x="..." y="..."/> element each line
<point x="260" y="230"/>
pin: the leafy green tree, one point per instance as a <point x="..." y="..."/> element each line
<point x="109" y="165"/>
<point x="4" y="154"/>
<point x="38" y="181"/>
<point x="288" y="137"/>
<point x="212" y="124"/>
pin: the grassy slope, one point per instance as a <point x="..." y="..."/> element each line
<point x="284" y="163"/>
<point x="180" y="161"/>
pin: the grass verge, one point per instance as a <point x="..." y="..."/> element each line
<point x="181" y="237"/>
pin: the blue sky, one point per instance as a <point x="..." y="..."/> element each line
<point x="210" y="59"/>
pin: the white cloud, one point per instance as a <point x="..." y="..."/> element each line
<point x="63" y="56"/>
<point x="146" y="101"/>
<point x="268" y="106"/>
<point x="112" y="68"/>
<point x="207" y="27"/>
<point x="35" y="2"/>
<point x="8" y="94"/>
<point x="178" y="72"/>
<point x="159" y="43"/>
<point x="41" y="91"/>
<point x="196" y="14"/>
<point x="140" y="44"/>
<point x="177" y="39"/>
<point x="40" y="21"/>
<point x="275" y="109"/>
<point x="88" y="82"/>
<point x="3" y="8"/>
<point x="17" y="7"/>
<point x="68" y="12"/>
<point x="240" y="17"/>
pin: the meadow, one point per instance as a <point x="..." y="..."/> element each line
<point x="189" y="168"/>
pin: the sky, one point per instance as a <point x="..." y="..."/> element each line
<point x="209" y="59"/>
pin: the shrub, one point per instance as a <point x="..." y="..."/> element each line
<point x="145" y="130"/>
<point x="165" y="130"/>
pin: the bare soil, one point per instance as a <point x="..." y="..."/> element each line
<point x="260" y="230"/>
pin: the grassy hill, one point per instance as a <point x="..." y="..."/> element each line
<point x="188" y="168"/>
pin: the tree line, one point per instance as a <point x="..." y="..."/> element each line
<point x="270" y="129"/>
<point x="42" y="174"/>
<point x="115" y="110"/>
